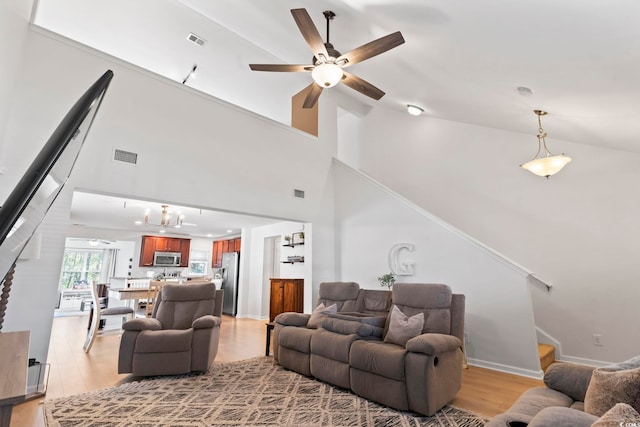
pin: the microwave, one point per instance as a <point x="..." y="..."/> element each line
<point x="167" y="259"/>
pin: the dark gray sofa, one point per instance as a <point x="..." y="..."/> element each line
<point x="573" y="398"/>
<point x="351" y="349"/>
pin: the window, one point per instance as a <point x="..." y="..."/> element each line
<point x="198" y="261"/>
<point x="198" y="268"/>
<point x="80" y="267"/>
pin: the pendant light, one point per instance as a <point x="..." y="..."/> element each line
<point x="547" y="164"/>
<point x="165" y="219"/>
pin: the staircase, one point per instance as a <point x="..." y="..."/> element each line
<point x="547" y="355"/>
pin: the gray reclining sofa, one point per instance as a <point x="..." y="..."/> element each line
<point x="359" y="347"/>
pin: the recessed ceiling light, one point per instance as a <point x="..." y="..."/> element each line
<point x="229" y="231"/>
<point x="162" y="231"/>
<point x="138" y="222"/>
<point x="209" y="235"/>
<point x="524" y="91"/>
<point x="414" y="110"/>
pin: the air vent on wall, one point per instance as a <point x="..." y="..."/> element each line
<point x="196" y="39"/>
<point x="298" y="193"/>
<point x="125" y="156"/>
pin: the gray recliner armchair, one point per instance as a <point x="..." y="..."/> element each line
<point x="181" y="336"/>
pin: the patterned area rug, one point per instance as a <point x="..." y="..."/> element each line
<point x="254" y="392"/>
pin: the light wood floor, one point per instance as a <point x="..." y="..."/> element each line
<point x="483" y="391"/>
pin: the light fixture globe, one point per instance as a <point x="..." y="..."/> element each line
<point x="547" y="166"/>
<point x="327" y="74"/>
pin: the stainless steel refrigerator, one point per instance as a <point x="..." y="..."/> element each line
<point x="230" y="266"/>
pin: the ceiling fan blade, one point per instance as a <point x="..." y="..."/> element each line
<point x="281" y="67"/>
<point x="313" y="94"/>
<point x="372" y="49"/>
<point x="309" y="32"/>
<point x="362" y="86"/>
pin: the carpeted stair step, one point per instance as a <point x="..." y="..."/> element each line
<point x="547" y="355"/>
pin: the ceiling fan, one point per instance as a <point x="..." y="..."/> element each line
<point x="328" y="64"/>
<point x="92" y="242"/>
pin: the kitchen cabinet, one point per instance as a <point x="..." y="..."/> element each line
<point x="216" y="257"/>
<point x="147" y="250"/>
<point x="222" y="247"/>
<point x="185" y="252"/>
<point x="152" y="244"/>
<point x="168" y="244"/>
<point x="286" y="295"/>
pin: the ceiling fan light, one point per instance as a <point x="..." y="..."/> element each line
<point x="414" y="110"/>
<point x="547" y="166"/>
<point x="327" y="75"/>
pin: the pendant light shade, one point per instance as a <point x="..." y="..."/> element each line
<point x="546" y="164"/>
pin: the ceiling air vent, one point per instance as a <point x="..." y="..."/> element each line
<point x="196" y="39"/>
<point x="125" y="156"/>
<point x="298" y="193"/>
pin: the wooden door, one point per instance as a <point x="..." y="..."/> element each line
<point x="276" y="305"/>
<point x="293" y="295"/>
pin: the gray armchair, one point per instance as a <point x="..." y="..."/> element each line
<point x="181" y="336"/>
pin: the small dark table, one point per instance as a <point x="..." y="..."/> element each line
<point x="270" y="327"/>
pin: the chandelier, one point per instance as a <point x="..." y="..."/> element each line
<point x="165" y="219"/>
<point x="548" y="164"/>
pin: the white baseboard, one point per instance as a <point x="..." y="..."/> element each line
<point x="583" y="361"/>
<point x="252" y="316"/>
<point x="506" y="368"/>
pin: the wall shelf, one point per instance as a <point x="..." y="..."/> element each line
<point x="291" y="245"/>
<point x="291" y="262"/>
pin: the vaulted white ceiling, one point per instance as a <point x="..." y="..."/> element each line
<point x="462" y="60"/>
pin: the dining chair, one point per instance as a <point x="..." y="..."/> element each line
<point x="99" y="312"/>
<point x="155" y="286"/>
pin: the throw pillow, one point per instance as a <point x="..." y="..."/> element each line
<point x="319" y="314"/>
<point x="632" y="363"/>
<point x="402" y="327"/>
<point x="620" y="415"/>
<point x="610" y="387"/>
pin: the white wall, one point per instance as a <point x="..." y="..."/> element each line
<point x="498" y="318"/>
<point x="192" y="149"/>
<point x="34" y="294"/>
<point x="254" y="291"/>
<point x="198" y="150"/>
<point x="577" y="230"/>
<point x="14" y="24"/>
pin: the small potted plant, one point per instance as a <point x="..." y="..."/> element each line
<point x="387" y="280"/>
